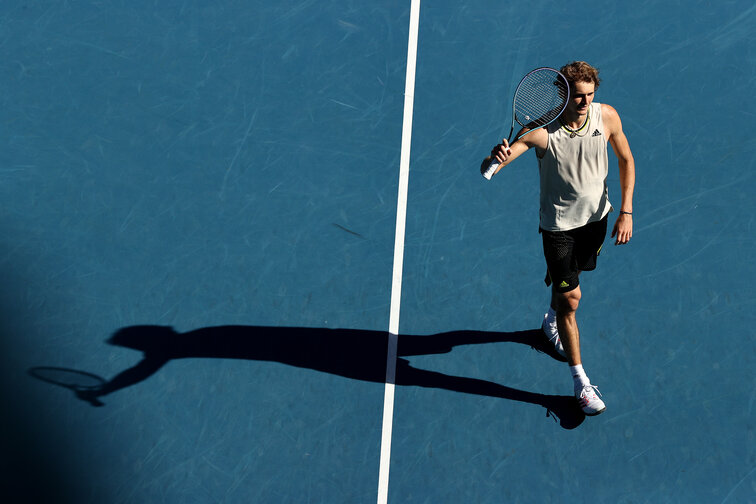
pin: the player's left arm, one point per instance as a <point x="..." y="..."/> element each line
<point x="623" y="227"/>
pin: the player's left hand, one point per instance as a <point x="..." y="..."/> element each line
<point x="623" y="229"/>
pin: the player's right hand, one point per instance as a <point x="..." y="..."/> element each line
<point x="501" y="152"/>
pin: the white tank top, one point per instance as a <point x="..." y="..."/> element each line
<point x="573" y="175"/>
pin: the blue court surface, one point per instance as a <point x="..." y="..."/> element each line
<point x="199" y="205"/>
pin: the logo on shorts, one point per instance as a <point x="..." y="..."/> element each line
<point x="564" y="284"/>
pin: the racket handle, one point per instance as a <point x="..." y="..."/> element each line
<point x="490" y="170"/>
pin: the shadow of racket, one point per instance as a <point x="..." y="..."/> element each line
<point x="85" y="385"/>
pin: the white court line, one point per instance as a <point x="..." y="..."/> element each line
<point x="396" y="283"/>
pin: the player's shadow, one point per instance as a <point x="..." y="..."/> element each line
<point x="356" y="354"/>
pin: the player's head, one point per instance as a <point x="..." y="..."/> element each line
<point x="580" y="71"/>
<point x="584" y="80"/>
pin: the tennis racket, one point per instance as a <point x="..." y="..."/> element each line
<point x="68" y="378"/>
<point x="540" y="97"/>
<point x="84" y="385"/>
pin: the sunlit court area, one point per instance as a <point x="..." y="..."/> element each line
<point x="248" y="256"/>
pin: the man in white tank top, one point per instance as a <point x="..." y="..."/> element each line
<point x="573" y="166"/>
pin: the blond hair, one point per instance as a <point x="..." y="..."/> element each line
<point x="580" y="71"/>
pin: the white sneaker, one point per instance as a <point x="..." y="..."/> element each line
<point x="589" y="401"/>
<point x="552" y="334"/>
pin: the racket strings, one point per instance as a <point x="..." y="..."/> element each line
<point x="540" y="98"/>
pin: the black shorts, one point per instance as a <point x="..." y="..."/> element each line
<point x="568" y="253"/>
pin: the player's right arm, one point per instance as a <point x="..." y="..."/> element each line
<point x="504" y="153"/>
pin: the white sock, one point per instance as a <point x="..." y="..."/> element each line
<point x="551" y="316"/>
<point x="579" y="376"/>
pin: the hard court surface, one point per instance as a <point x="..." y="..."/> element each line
<point x="199" y="206"/>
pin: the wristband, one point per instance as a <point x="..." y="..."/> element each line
<point x="622" y="212"/>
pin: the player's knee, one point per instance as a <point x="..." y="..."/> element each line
<point x="567" y="302"/>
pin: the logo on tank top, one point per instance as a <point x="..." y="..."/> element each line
<point x="596" y="133"/>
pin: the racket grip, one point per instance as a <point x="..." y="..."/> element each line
<point x="490" y="170"/>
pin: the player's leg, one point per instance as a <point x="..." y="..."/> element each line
<point x="566" y="305"/>
<point x="561" y="259"/>
<point x="588" y="240"/>
<point x="557" y="250"/>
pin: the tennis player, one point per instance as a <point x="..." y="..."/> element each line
<point x="573" y="165"/>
